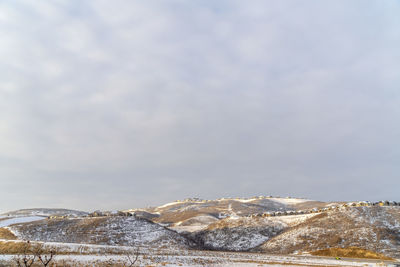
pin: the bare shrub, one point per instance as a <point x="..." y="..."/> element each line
<point x="42" y="255"/>
<point x="26" y="257"/>
<point x="132" y="257"/>
<point x="31" y="253"/>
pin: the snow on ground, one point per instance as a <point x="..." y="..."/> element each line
<point x="243" y="200"/>
<point x="7" y="222"/>
<point x="194" y="224"/>
<point x="119" y="230"/>
<point x="364" y="227"/>
<point x="198" y="220"/>
<point x="169" y="204"/>
<point x="292" y="220"/>
<point x="241" y="234"/>
<point x="212" y="258"/>
<point x="44" y="212"/>
<point x="191" y="229"/>
<point x="289" y="201"/>
<point x="98" y="255"/>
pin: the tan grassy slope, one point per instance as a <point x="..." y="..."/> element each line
<point x="11" y="247"/>
<point x="7" y="234"/>
<point x="351" y="252"/>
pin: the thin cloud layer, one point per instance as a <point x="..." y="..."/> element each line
<point x="126" y="103"/>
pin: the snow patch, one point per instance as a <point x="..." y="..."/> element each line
<point x="11" y="221"/>
<point x="289" y="201"/>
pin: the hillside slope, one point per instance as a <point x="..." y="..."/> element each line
<point x="244" y="233"/>
<point x="373" y="228"/>
<point x="127" y="231"/>
<point x="44" y="212"/>
<point x="293" y="226"/>
<point x="179" y="213"/>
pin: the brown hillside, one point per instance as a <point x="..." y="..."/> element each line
<point x="7" y="234"/>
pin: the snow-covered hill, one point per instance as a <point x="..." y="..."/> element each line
<point x="120" y="230"/>
<point x="245" y="233"/>
<point x="44" y="212"/>
<point x="372" y="228"/>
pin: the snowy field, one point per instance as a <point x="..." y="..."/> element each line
<point x="96" y="255"/>
<point x="216" y="259"/>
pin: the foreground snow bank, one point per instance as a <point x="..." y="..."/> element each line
<point x="216" y="259"/>
<point x="96" y="255"/>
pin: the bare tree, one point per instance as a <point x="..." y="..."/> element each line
<point x="32" y="252"/>
<point x="44" y="257"/>
<point x="132" y="257"/>
<point x="26" y="258"/>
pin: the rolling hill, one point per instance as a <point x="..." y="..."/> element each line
<point x="260" y="224"/>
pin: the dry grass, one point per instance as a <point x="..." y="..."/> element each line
<point x="279" y="263"/>
<point x="350" y="252"/>
<point x="12" y="247"/>
<point x="173" y="217"/>
<point x="7" y="234"/>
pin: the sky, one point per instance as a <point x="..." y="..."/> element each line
<point x="124" y="104"/>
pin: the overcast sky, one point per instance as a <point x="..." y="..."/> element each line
<point x="123" y="104"/>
